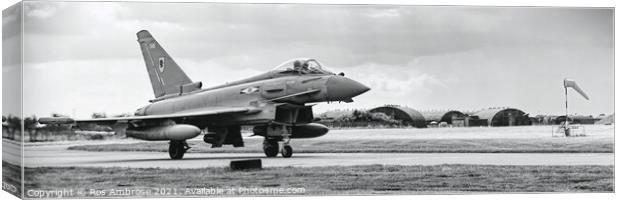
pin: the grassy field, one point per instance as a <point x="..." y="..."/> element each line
<point x="332" y="180"/>
<point x="499" y="145"/>
<point x="11" y="175"/>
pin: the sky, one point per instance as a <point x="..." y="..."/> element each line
<point x="82" y="57"/>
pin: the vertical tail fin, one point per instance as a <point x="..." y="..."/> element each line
<point x="166" y="76"/>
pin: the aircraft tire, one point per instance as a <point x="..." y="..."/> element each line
<point x="176" y="150"/>
<point x="287" y="151"/>
<point x="270" y="147"/>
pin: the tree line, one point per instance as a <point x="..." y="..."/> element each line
<point x="34" y="132"/>
<point x="358" y="118"/>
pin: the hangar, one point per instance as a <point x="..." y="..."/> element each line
<point x="504" y="117"/>
<point x="443" y="116"/>
<point x="408" y="116"/>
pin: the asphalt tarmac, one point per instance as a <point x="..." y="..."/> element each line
<point x="56" y="154"/>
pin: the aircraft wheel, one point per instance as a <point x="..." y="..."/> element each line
<point x="176" y="150"/>
<point x="287" y="151"/>
<point x="270" y="147"/>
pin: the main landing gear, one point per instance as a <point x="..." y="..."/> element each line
<point x="271" y="148"/>
<point x="177" y="149"/>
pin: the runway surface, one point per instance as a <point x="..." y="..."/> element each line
<point x="57" y="155"/>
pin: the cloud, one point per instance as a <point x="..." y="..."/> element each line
<point x="113" y="86"/>
<point x="214" y="72"/>
<point x="396" y="79"/>
<point x="359" y="33"/>
<point x="422" y="56"/>
<point x="42" y="10"/>
<point x="384" y="13"/>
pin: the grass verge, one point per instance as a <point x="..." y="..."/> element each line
<point x="11" y="179"/>
<point x="332" y="180"/>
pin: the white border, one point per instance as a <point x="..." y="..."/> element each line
<point x="562" y="3"/>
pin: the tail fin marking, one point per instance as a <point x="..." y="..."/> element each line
<point x="165" y="75"/>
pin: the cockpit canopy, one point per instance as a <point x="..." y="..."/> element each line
<point x="302" y="66"/>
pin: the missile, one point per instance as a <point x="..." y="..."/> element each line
<point x="310" y="130"/>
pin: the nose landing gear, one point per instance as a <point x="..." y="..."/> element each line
<point x="287" y="151"/>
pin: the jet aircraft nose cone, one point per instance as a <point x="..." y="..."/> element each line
<point x="340" y="88"/>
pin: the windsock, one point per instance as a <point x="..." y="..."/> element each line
<point x="568" y="83"/>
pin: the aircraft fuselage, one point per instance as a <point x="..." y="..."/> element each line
<point x="260" y="94"/>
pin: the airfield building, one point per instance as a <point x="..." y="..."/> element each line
<point x="447" y="116"/>
<point x="576" y="119"/>
<point x="503" y="117"/>
<point x="408" y="116"/>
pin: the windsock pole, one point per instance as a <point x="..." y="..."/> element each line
<point x="566" y="106"/>
<point x="572" y="84"/>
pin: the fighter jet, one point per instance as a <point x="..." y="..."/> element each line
<point x="278" y="104"/>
